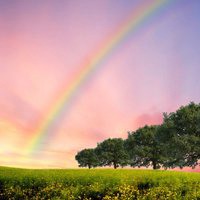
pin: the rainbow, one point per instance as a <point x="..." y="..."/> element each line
<point x="131" y="25"/>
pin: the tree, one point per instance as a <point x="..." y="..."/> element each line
<point x="112" y="152"/>
<point x="87" y="158"/>
<point x="182" y="129"/>
<point x="144" y="148"/>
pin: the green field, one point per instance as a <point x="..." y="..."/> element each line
<point x="97" y="184"/>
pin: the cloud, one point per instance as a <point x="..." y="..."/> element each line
<point x="148" y="119"/>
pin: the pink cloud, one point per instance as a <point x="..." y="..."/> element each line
<point x="149" y="119"/>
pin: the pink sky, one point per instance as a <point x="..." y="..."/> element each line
<point x="43" y="43"/>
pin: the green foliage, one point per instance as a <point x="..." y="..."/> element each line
<point x="122" y="184"/>
<point x="87" y="158"/>
<point x="112" y="152"/>
<point x="180" y="134"/>
<point x="144" y="147"/>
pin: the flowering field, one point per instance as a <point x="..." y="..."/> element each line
<point x="104" y="184"/>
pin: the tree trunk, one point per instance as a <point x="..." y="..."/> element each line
<point x="115" y="165"/>
<point x="89" y="166"/>
<point x="154" y="165"/>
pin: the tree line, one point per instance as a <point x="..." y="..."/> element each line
<point x="174" y="143"/>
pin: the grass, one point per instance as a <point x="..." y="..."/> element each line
<point x="97" y="184"/>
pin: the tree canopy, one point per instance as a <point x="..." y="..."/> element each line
<point x="87" y="158"/>
<point x="181" y="130"/>
<point x="144" y="148"/>
<point x="112" y="152"/>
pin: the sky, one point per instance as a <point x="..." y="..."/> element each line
<point x="47" y="110"/>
